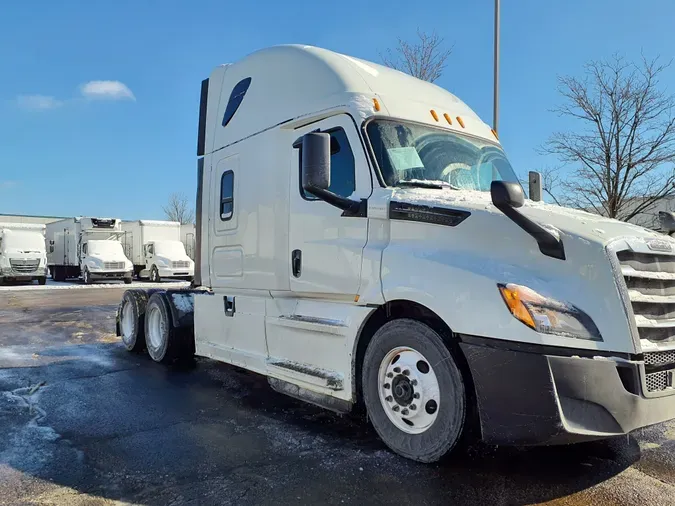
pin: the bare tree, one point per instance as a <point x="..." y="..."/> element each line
<point x="624" y="151"/>
<point x="425" y="59"/>
<point x="179" y="209"/>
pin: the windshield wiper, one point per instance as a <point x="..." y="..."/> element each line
<point x="436" y="185"/>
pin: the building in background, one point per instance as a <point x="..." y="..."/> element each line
<point x="20" y="218"/>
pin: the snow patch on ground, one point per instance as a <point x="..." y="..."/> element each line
<point x="75" y="285"/>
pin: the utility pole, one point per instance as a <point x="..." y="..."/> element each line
<point x="495" y="118"/>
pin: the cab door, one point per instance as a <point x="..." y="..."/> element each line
<point x="326" y="248"/>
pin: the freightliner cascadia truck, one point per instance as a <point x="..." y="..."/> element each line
<point x="362" y="239"/>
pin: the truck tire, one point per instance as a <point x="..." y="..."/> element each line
<point x="86" y="276"/>
<point x="127" y="281"/>
<point x="413" y="391"/>
<point x="56" y="273"/>
<point x="165" y="343"/>
<point x="154" y="275"/>
<point x="131" y="319"/>
<point x="42" y="280"/>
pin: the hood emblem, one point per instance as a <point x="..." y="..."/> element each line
<point x="659" y="245"/>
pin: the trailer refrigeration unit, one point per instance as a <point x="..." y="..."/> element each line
<point x="155" y="249"/>
<point x="89" y="248"/>
<point x="23" y="256"/>
<point x="362" y="238"/>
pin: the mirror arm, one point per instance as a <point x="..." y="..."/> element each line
<point x="347" y="205"/>
<point x="549" y="244"/>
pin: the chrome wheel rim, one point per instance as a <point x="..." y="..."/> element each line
<point x="127" y="322"/>
<point x="156" y="326"/>
<point x="408" y="390"/>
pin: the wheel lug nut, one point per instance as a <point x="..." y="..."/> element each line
<point x="413" y="407"/>
<point x="388" y="398"/>
<point x="404" y="412"/>
<point x="406" y="372"/>
<point x="413" y="383"/>
<point x="397" y="370"/>
<point x="387" y="386"/>
<point x="416" y="395"/>
<point x="390" y="375"/>
<point x="395" y="408"/>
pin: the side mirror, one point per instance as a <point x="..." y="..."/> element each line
<point x="507" y="197"/>
<point x="315" y="161"/>
<point x="667" y="220"/>
<point x="535" y="187"/>
<point x="506" y="194"/>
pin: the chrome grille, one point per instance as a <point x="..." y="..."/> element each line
<point x="113" y="265"/>
<point x="180" y="264"/>
<point x="657" y="381"/>
<point x="660" y="358"/>
<point x="650" y="279"/>
<point x="24" y="266"/>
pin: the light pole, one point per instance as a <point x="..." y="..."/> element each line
<point x="495" y="118"/>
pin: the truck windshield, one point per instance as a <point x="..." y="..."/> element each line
<point x="104" y="248"/>
<point x="170" y="248"/>
<point x="23" y="241"/>
<point x="410" y="154"/>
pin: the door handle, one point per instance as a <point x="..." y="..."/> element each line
<point x="229" y="305"/>
<point x="296" y="262"/>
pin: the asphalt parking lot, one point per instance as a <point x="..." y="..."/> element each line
<point x="82" y="421"/>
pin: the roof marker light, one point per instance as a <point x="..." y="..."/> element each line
<point x="460" y="121"/>
<point x="376" y="104"/>
<point x="434" y="115"/>
<point x="494" y="132"/>
<point x="447" y="118"/>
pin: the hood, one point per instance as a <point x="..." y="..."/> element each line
<point x="590" y="227"/>
<point x="20" y="252"/>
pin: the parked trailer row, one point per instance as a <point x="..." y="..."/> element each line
<point x="96" y="249"/>
<point x="362" y="238"/>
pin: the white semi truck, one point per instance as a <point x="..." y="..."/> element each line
<point x="156" y="250"/>
<point x="362" y="238"/>
<point x="23" y="256"/>
<point x="89" y="248"/>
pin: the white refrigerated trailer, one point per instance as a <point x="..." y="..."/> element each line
<point x="155" y="249"/>
<point x="362" y="238"/>
<point x="89" y="248"/>
<point x="23" y="256"/>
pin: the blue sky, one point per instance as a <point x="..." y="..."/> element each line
<point x="73" y="145"/>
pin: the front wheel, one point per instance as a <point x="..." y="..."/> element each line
<point x="86" y="277"/>
<point x="154" y="274"/>
<point x="413" y="390"/>
<point x="42" y="280"/>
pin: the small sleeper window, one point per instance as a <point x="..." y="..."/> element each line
<point x="236" y="97"/>
<point x="227" y="195"/>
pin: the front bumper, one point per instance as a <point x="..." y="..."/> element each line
<point x="176" y="273"/>
<point x="40" y="272"/>
<point x="559" y="396"/>
<point x="110" y="274"/>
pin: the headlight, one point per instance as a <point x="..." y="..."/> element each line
<point x="94" y="264"/>
<point x="548" y="316"/>
<point x="161" y="262"/>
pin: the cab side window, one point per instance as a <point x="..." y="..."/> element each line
<point x="342" y="166"/>
<point x="84" y="248"/>
<point x="227" y="195"/>
<point x="151" y="249"/>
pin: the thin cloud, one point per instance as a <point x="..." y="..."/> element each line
<point x="38" y="102"/>
<point x="7" y="185"/>
<point x="106" y="90"/>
